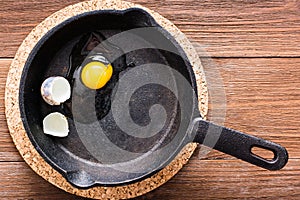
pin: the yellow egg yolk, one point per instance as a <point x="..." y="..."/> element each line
<point x="95" y="74"/>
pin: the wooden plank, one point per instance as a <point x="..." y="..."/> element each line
<point x="225" y="29"/>
<point x="199" y="179"/>
<point x="8" y="151"/>
<point x="232" y="179"/>
<point x="262" y="99"/>
<point x="18" y="181"/>
<point x="18" y="18"/>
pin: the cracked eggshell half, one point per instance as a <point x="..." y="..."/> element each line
<point x="56" y="124"/>
<point x="55" y="90"/>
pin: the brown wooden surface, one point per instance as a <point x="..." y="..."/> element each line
<point x="256" y="47"/>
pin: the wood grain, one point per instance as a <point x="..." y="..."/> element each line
<point x="200" y="179"/>
<point x="263" y="98"/>
<point x="207" y="179"/>
<point x="8" y="151"/>
<point x="18" y="181"/>
<point x="225" y="28"/>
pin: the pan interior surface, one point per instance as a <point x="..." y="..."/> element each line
<point x="134" y="126"/>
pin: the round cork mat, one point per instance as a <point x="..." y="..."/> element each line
<point x="19" y="135"/>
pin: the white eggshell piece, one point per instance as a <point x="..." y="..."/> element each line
<point x="56" y="90"/>
<point x="56" y="124"/>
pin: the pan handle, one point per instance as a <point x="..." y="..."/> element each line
<point x="239" y="145"/>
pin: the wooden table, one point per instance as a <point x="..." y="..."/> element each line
<point x="255" y="46"/>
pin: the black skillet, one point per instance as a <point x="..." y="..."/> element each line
<point x="141" y="156"/>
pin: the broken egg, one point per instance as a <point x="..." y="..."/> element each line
<point x="56" y="124"/>
<point x="55" y="90"/>
<point x="96" y="72"/>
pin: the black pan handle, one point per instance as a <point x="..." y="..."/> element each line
<point x="239" y="145"/>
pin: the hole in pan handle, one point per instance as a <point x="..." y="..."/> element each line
<point x="239" y="145"/>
